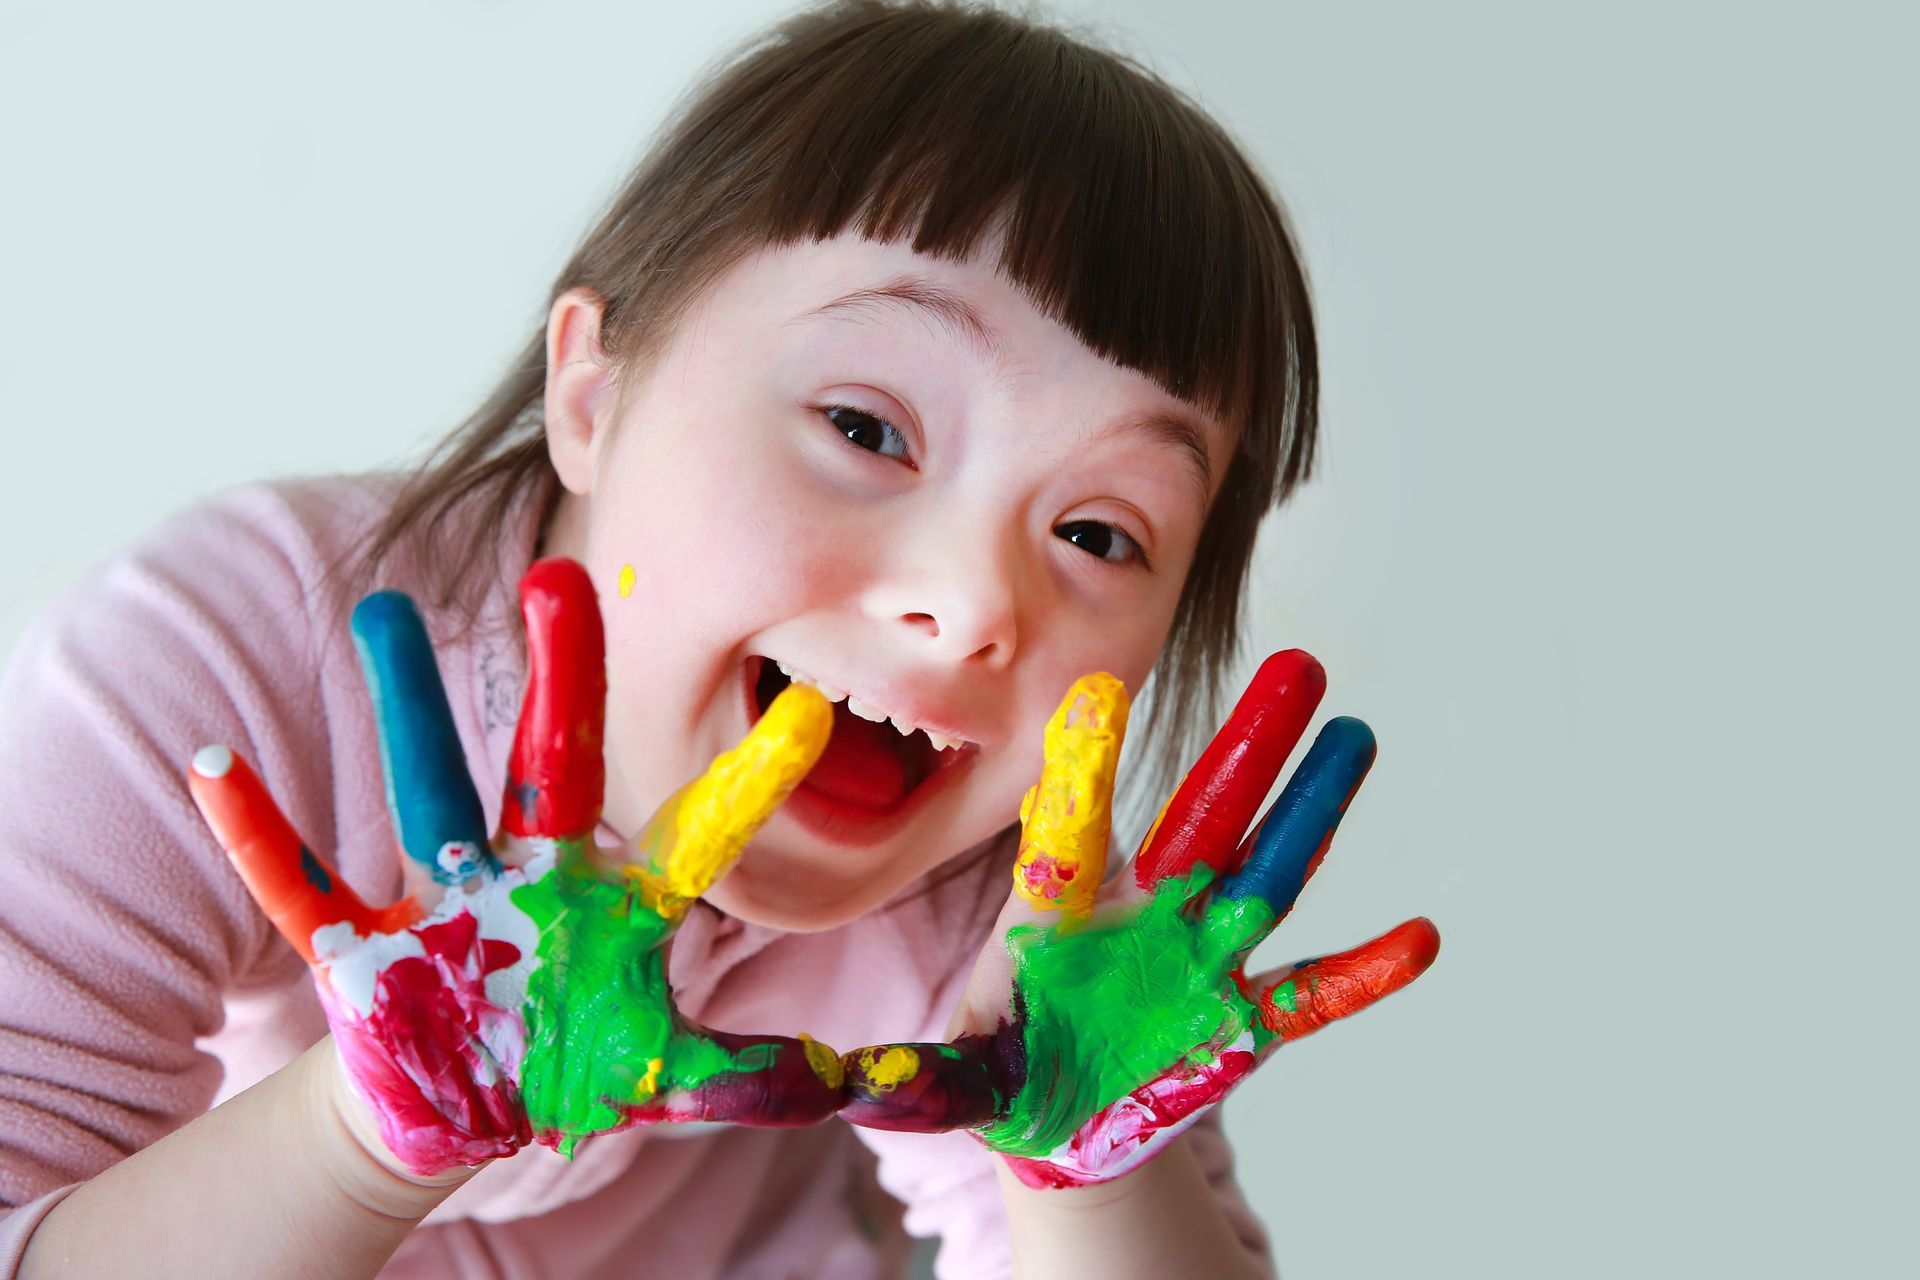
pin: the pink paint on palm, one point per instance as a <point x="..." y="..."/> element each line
<point x="434" y="1057"/>
<point x="1127" y="1133"/>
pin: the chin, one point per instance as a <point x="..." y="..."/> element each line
<point x="778" y="888"/>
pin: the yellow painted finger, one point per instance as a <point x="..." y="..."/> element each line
<point x="1065" y="820"/>
<point x="698" y="833"/>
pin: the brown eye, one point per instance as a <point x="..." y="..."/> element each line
<point x="869" y="431"/>
<point x="1102" y="540"/>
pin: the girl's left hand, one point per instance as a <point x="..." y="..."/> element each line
<point x="1100" y="1022"/>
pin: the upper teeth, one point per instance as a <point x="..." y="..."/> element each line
<point x="867" y="711"/>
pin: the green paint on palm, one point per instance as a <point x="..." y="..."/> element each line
<point x="1113" y="1003"/>
<point x="603" y="1037"/>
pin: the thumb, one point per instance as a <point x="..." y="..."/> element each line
<point x="930" y="1088"/>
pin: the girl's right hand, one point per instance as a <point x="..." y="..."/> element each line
<point x="531" y="1000"/>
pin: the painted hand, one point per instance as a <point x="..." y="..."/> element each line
<point x="1107" y="1020"/>
<point x="530" y="1001"/>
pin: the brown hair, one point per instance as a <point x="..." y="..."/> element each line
<point x="1131" y="218"/>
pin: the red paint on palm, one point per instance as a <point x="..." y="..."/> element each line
<point x="1209" y="814"/>
<point x="1123" y="1134"/>
<point x="1336" y="986"/>
<point x="429" y="1059"/>
<point x="556" y="779"/>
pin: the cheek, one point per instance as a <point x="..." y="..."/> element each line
<point x="716" y="529"/>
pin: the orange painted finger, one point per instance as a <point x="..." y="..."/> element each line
<point x="1067" y="818"/>
<point x="1211" y="810"/>
<point x="299" y="893"/>
<point x="1301" y="998"/>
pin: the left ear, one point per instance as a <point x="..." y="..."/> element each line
<point x="579" y="393"/>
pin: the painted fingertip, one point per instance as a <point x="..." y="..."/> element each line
<point x="214" y="761"/>
<point x="1296" y="830"/>
<point x="1415" y="945"/>
<point x="1290" y="671"/>
<point x="379" y="613"/>
<point x="1325" y="989"/>
<point x="557" y="576"/>
<point x="801" y="718"/>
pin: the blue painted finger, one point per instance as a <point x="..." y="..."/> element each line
<point x="1296" y="831"/>
<point x="436" y="812"/>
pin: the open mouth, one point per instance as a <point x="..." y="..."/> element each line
<point x="871" y="775"/>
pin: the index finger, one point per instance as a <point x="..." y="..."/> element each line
<point x="1065" y="821"/>
<point x="700" y="831"/>
<point x="436" y="812"/>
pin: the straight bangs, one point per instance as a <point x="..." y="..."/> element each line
<point x="1129" y="217"/>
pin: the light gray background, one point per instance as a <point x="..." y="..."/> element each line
<point x="1612" y="541"/>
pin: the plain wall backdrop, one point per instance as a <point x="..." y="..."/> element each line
<point x="1611" y="542"/>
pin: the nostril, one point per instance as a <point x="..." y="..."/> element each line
<point x="926" y="620"/>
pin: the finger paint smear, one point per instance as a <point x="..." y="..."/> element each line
<point x="1113" y="1005"/>
<point x="604" y="1043"/>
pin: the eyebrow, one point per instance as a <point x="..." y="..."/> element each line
<point x="959" y="317"/>
<point x="929" y="301"/>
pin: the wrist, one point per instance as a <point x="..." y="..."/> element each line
<point x="1074" y="1198"/>
<point x="344" y="1136"/>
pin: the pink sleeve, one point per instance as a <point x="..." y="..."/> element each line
<point x="121" y="924"/>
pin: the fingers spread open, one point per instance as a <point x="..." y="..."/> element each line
<point x="556" y="778"/>
<point x="930" y="1088"/>
<point x="1067" y="817"/>
<point x="1294" y="836"/>
<point x="298" y="892"/>
<point x="1214" y="805"/>
<point x="703" y="827"/>
<point x="1301" y="998"/>
<point x="436" y="812"/>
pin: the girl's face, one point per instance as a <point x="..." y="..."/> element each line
<point x="892" y="474"/>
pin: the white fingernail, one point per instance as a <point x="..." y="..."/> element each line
<point x="212" y="762"/>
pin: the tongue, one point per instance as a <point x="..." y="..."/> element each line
<point x="861" y="765"/>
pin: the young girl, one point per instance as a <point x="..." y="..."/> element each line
<point x="932" y="359"/>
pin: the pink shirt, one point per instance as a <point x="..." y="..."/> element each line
<point x="139" y="984"/>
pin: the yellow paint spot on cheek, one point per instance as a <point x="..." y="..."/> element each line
<point x="824" y="1061"/>
<point x="888" y="1068"/>
<point x="626" y="581"/>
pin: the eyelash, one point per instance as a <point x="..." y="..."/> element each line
<point x="1139" y="552"/>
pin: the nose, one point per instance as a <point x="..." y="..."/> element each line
<point x="958" y="602"/>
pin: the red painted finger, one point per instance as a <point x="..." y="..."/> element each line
<point x="1304" y="997"/>
<point x="1210" y="812"/>
<point x="299" y="893"/>
<point x="556" y="778"/>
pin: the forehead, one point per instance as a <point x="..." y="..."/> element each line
<point x="967" y="306"/>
